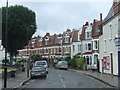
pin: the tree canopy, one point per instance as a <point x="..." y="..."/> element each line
<point x="21" y="27"/>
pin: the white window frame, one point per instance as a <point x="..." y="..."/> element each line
<point x="45" y="50"/>
<point x="94" y="44"/>
<point x="46" y="42"/>
<point x="51" y="51"/>
<point x="59" y="48"/>
<point x="105" y="45"/>
<point x="88" y="35"/>
<point x="66" y="39"/>
<point x="73" y="48"/>
<point x="88" y="46"/>
<point x="110" y="29"/>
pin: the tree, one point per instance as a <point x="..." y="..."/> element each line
<point x="20" y="19"/>
<point x="35" y="57"/>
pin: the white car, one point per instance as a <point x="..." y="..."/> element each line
<point x="93" y="67"/>
<point x="42" y="62"/>
<point x="61" y="65"/>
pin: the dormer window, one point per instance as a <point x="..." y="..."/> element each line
<point x="59" y="40"/>
<point x="66" y="40"/>
<point x="46" y="40"/>
<point x="88" y="35"/>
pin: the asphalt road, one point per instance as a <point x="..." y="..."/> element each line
<point x="64" y="79"/>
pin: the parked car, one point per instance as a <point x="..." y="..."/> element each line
<point x="93" y="67"/>
<point x="38" y="71"/>
<point x="42" y="62"/>
<point x="62" y="65"/>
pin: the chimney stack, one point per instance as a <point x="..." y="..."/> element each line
<point x="86" y="24"/>
<point x="101" y="24"/>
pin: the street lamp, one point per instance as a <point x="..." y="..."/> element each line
<point x="28" y="63"/>
<point x="5" y="68"/>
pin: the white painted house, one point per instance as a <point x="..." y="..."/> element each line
<point x="86" y="42"/>
<point x="107" y="48"/>
<point x="76" y="43"/>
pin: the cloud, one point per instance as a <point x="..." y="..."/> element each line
<point x="56" y="17"/>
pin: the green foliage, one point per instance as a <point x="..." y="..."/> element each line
<point x="72" y="62"/>
<point x="79" y="62"/>
<point x="19" y="20"/>
<point x="76" y="62"/>
<point x="36" y="57"/>
<point x="67" y="59"/>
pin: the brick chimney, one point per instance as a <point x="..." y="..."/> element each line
<point x="116" y="6"/>
<point x="87" y="23"/>
<point x="101" y="31"/>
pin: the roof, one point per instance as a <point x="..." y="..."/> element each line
<point x="75" y="36"/>
<point x="109" y="15"/>
<point x="87" y="53"/>
<point x="83" y="33"/>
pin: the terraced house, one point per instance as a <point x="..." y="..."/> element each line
<point x="52" y="46"/>
<point x="82" y="42"/>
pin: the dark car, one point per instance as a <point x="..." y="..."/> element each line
<point x="38" y="71"/>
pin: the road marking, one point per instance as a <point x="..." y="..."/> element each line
<point x="62" y="80"/>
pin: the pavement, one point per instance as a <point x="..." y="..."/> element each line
<point x="15" y="82"/>
<point x="108" y="79"/>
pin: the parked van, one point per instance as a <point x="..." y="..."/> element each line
<point x="62" y="65"/>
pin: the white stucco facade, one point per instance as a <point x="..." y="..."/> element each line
<point x="75" y="48"/>
<point x="107" y="48"/>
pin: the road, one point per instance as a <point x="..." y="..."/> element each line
<point x="64" y="79"/>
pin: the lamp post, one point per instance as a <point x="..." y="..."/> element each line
<point x="28" y="62"/>
<point x="5" y="68"/>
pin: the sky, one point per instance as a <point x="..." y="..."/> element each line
<point x="55" y="16"/>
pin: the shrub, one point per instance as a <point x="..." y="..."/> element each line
<point x="79" y="62"/>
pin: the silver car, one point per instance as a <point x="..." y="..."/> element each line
<point x="62" y="65"/>
<point x="42" y="62"/>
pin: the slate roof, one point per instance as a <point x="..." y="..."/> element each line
<point x="109" y="15"/>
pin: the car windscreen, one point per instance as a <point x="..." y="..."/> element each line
<point x="37" y="68"/>
<point x="40" y="63"/>
<point x="64" y="63"/>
